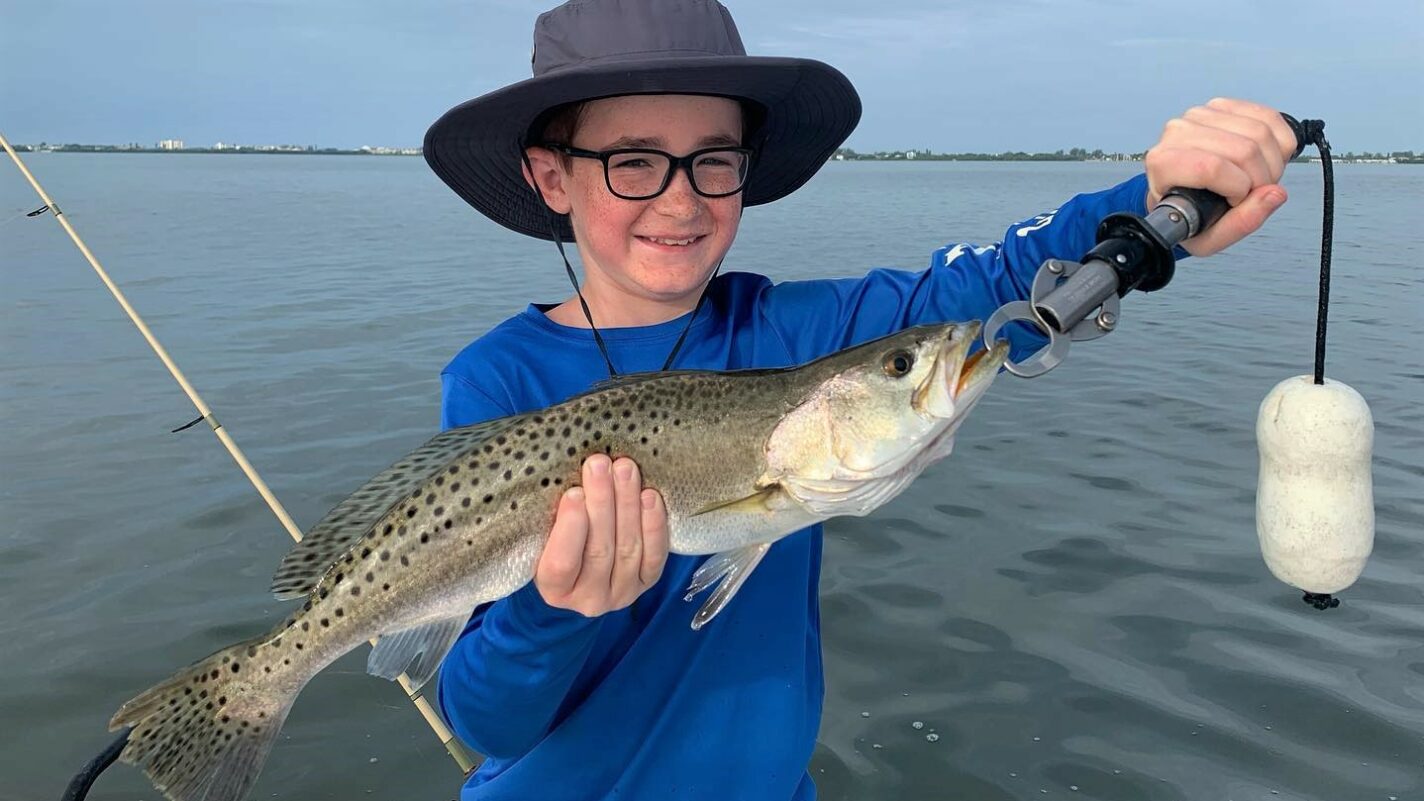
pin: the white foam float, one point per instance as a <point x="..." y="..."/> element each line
<point x="1315" y="513"/>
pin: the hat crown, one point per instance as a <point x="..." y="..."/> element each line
<point x="587" y="32"/>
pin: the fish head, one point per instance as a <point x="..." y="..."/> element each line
<point x="879" y="414"/>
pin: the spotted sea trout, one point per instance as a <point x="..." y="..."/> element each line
<point x="742" y="458"/>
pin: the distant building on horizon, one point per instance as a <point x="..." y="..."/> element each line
<point x="170" y="144"/>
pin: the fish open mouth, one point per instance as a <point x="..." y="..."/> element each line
<point x="980" y="366"/>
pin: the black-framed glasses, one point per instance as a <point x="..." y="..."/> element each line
<point x="635" y="173"/>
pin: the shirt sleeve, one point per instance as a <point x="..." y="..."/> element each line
<point x="507" y="675"/>
<point x="962" y="282"/>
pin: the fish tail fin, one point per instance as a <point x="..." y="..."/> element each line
<point x="204" y="733"/>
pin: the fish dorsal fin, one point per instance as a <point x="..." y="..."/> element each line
<point x="305" y="564"/>
<point x="627" y="379"/>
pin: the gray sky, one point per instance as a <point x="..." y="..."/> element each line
<point x="976" y="75"/>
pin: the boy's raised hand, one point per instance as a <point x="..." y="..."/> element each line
<point x="609" y="541"/>
<point x="1237" y="149"/>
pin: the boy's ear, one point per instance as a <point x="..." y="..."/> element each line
<point x="543" y="171"/>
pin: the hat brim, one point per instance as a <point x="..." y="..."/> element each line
<point x="476" y="146"/>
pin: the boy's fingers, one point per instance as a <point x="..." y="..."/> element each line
<point x="1208" y="142"/>
<point x="562" y="558"/>
<point x="1238" y="223"/>
<point x="628" y="534"/>
<point x="655" y="538"/>
<point x="1249" y="127"/>
<point x="1284" y="136"/>
<point x="598" y="547"/>
<point x="1173" y="167"/>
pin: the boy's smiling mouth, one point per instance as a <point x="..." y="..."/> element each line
<point x="671" y="242"/>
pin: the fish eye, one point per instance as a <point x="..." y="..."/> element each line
<point x="899" y="363"/>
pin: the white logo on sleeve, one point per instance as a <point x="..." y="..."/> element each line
<point x="960" y="249"/>
<point x="1041" y="221"/>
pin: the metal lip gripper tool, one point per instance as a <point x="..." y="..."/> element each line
<point x="1075" y="301"/>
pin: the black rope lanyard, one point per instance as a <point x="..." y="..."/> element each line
<point x="1315" y="132"/>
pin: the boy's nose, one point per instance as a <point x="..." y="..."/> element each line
<point x="679" y="199"/>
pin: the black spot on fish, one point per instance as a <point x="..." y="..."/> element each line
<point x="529" y="471"/>
<point x="306" y="626"/>
<point x="365" y="552"/>
<point x="567" y="431"/>
<point x="326" y="623"/>
<point x="439" y="510"/>
<point x="508" y="474"/>
<point x="439" y="481"/>
<point x="429" y="499"/>
<point x="544" y="482"/>
<point x="465" y="502"/>
<point x="424" y="537"/>
<point x="455" y="487"/>
<point x="449" y="524"/>
<point x="643" y="440"/>
<point x="572" y="450"/>
<point x="558" y="481"/>
<point x="386" y="587"/>
<point x="389" y="526"/>
<point x="410" y="512"/>
<point x="494" y="465"/>
<point x="518" y="455"/>
<point x="454" y="468"/>
<point x="500" y="440"/>
<point x="370" y="577"/>
<point x="513" y="505"/>
<point x="405" y="562"/>
<point x="355" y="590"/>
<point x="402" y="531"/>
<point x="235" y="667"/>
<point x="340" y="612"/>
<point x="385" y="556"/>
<point x="489" y="498"/>
<point x="598" y="435"/>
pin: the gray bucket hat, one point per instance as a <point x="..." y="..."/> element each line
<point x="588" y="49"/>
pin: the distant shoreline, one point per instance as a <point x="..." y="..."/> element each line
<point x="1076" y="154"/>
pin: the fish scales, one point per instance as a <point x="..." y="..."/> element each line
<point x="741" y="459"/>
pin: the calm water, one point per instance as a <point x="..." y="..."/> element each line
<point x="1074" y="602"/>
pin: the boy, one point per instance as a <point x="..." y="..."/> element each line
<point x="644" y="133"/>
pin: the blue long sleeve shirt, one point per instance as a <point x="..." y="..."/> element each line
<point x="635" y="704"/>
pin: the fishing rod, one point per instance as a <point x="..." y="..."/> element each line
<point x="81" y="783"/>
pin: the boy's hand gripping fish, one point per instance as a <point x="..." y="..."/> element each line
<point x="741" y="458"/>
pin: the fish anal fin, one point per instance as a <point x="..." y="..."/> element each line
<point x="417" y="652"/>
<point x="729" y="571"/>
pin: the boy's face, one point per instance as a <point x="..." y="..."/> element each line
<point x="639" y="250"/>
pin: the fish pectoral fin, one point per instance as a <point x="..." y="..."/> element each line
<point x="731" y="568"/>
<point x="757" y="502"/>
<point x="416" y="652"/>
